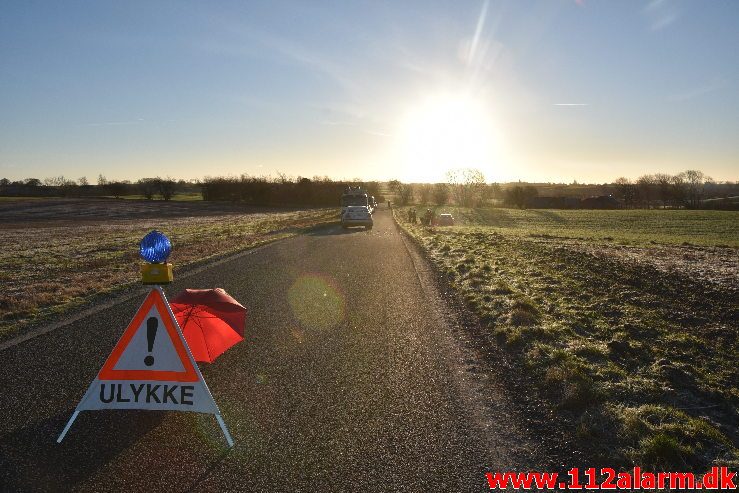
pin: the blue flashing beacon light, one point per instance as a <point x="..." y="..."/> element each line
<point x="154" y="250"/>
<point x="155" y="247"/>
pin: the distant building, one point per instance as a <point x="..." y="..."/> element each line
<point x="553" y="203"/>
<point x="600" y="202"/>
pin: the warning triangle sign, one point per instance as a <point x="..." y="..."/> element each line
<point x="151" y="348"/>
<point x="150" y="368"/>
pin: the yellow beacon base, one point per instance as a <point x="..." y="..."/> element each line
<point x="156" y="273"/>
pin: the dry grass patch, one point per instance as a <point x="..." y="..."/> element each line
<point x="640" y="359"/>
<point x="46" y="268"/>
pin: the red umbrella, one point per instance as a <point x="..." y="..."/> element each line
<point x="211" y="321"/>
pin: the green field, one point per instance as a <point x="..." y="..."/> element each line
<point x="629" y="328"/>
<point x="637" y="227"/>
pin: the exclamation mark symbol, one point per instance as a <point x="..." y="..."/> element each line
<point x="151" y="332"/>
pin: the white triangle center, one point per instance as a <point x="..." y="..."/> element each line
<point x="163" y="355"/>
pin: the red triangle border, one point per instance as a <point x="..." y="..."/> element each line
<point x="107" y="372"/>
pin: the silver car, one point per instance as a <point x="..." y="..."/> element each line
<point x="356" y="215"/>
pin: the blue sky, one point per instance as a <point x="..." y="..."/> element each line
<point x="539" y="91"/>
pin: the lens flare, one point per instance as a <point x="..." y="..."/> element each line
<point x="316" y="303"/>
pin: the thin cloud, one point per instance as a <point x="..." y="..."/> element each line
<point x="663" y="21"/>
<point x="660" y="14"/>
<point x="246" y="37"/>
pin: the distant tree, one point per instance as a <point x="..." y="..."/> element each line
<point x="441" y="193"/>
<point x="148" y="187"/>
<point x="424" y="193"/>
<point x="488" y="192"/>
<point x="646" y="186"/>
<point x="116" y="188"/>
<point x="695" y="182"/>
<point x="83" y="181"/>
<point x="281" y="178"/>
<point x="405" y="194"/>
<point x="529" y="192"/>
<point x="167" y="187"/>
<point x="32" y="182"/>
<point x="519" y="196"/>
<point x="4" y="182"/>
<point x="102" y="181"/>
<point x="394" y="186"/>
<point x="54" y="181"/>
<point x="495" y="191"/>
<point x="373" y="190"/>
<point x="626" y="190"/>
<point x="466" y="185"/>
<point x="663" y="188"/>
<point x="678" y="191"/>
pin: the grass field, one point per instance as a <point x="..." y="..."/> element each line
<point x="627" y="326"/>
<point x="53" y="257"/>
<point x="177" y="197"/>
<point x="635" y="227"/>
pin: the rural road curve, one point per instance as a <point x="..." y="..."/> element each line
<point x="351" y="378"/>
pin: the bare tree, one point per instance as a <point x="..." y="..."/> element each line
<point x="82" y="180"/>
<point x="663" y="188"/>
<point x="646" y="185"/>
<point x="148" y="187"/>
<point x="405" y="194"/>
<point x="466" y="185"/>
<point x="626" y="189"/>
<point x="487" y="192"/>
<point x="441" y="193"/>
<point x="695" y="182"/>
<point x="54" y="181"/>
<point x="102" y="181"/>
<point x="495" y="191"/>
<point x="394" y="186"/>
<point x="678" y="192"/>
<point x="424" y="193"/>
<point x="167" y="187"/>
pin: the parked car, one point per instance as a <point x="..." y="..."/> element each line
<point x="445" y="220"/>
<point x="356" y="215"/>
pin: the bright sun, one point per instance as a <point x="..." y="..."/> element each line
<point x="443" y="133"/>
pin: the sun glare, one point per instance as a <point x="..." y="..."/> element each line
<point x="443" y="133"/>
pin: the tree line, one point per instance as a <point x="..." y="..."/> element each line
<point x="55" y="186"/>
<point x="682" y="190"/>
<point x="691" y="189"/>
<point x="282" y="190"/>
<point x="254" y="190"/>
<point x="468" y="188"/>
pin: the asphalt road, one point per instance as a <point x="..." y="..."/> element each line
<point x="351" y="378"/>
